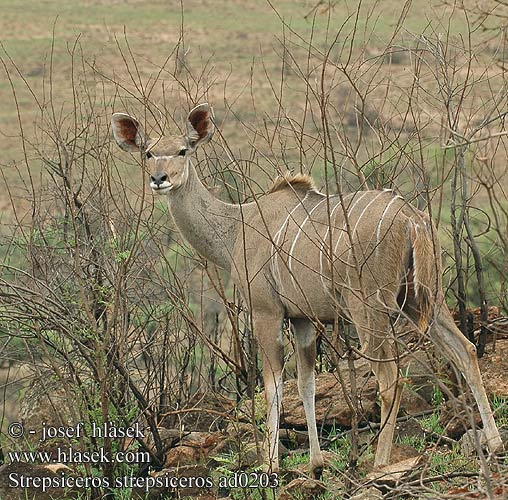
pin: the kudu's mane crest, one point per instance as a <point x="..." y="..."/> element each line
<point x="297" y="182"/>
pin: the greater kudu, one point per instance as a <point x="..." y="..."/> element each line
<point x="298" y="254"/>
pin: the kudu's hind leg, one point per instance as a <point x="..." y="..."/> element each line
<point x="305" y="339"/>
<point x="267" y="329"/>
<point x="462" y="353"/>
<point x="373" y="328"/>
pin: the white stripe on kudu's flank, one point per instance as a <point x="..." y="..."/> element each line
<point x="344" y="227"/>
<point x="323" y="244"/>
<point x="297" y="236"/>
<point x="354" y="231"/>
<point x="276" y="240"/>
<point x="381" y="193"/>
<point x="380" y="223"/>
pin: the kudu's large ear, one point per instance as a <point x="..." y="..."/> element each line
<point x="200" y="127"/>
<point x="127" y="132"/>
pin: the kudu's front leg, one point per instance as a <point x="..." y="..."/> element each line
<point x="267" y="328"/>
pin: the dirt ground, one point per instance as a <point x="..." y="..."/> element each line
<point x="494" y="367"/>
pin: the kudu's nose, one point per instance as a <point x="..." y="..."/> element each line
<point x="159" y="178"/>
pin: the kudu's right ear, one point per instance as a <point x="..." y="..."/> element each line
<point x="127" y="132"/>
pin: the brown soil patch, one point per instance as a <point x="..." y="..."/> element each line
<point x="494" y="368"/>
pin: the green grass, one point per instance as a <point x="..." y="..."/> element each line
<point x="294" y="460"/>
<point x="416" y="442"/>
<point x="500" y="409"/>
<point x="449" y="461"/>
<point x="238" y="39"/>
<point x="431" y="423"/>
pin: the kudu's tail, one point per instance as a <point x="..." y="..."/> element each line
<point x="423" y="259"/>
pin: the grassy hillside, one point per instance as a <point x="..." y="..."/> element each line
<point x="236" y="39"/>
<point x="98" y="293"/>
<point x="253" y="62"/>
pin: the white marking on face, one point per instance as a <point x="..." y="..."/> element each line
<point x="166" y="186"/>
<point x="163" y="157"/>
<point x="163" y="188"/>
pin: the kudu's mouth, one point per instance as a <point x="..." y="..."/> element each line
<point x="161" y="188"/>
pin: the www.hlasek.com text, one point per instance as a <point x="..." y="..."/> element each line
<point x="69" y="455"/>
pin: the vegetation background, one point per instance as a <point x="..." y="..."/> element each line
<point x="101" y="303"/>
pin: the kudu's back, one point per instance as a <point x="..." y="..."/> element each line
<point x="317" y="255"/>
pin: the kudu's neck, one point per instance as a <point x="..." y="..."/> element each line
<point x="208" y="224"/>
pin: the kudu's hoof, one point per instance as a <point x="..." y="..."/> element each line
<point x="316" y="472"/>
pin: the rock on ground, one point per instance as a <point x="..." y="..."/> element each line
<point x="469" y="441"/>
<point x="456" y="420"/>
<point x="46" y="400"/>
<point x="395" y="473"/>
<point x="331" y="405"/>
<point x="302" y="489"/>
<point x="370" y="493"/>
<point x="191" y="448"/>
<point x="204" y="412"/>
<point x="494" y="367"/>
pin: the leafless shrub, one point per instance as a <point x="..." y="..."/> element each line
<point x="95" y="290"/>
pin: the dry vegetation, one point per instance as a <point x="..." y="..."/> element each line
<point x="106" y="309"/>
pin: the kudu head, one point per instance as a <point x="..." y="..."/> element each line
<point x="167" y="157"/>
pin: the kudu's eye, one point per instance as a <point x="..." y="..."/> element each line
<point x="148" y="155"/>
<point x="182" y="152"/>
